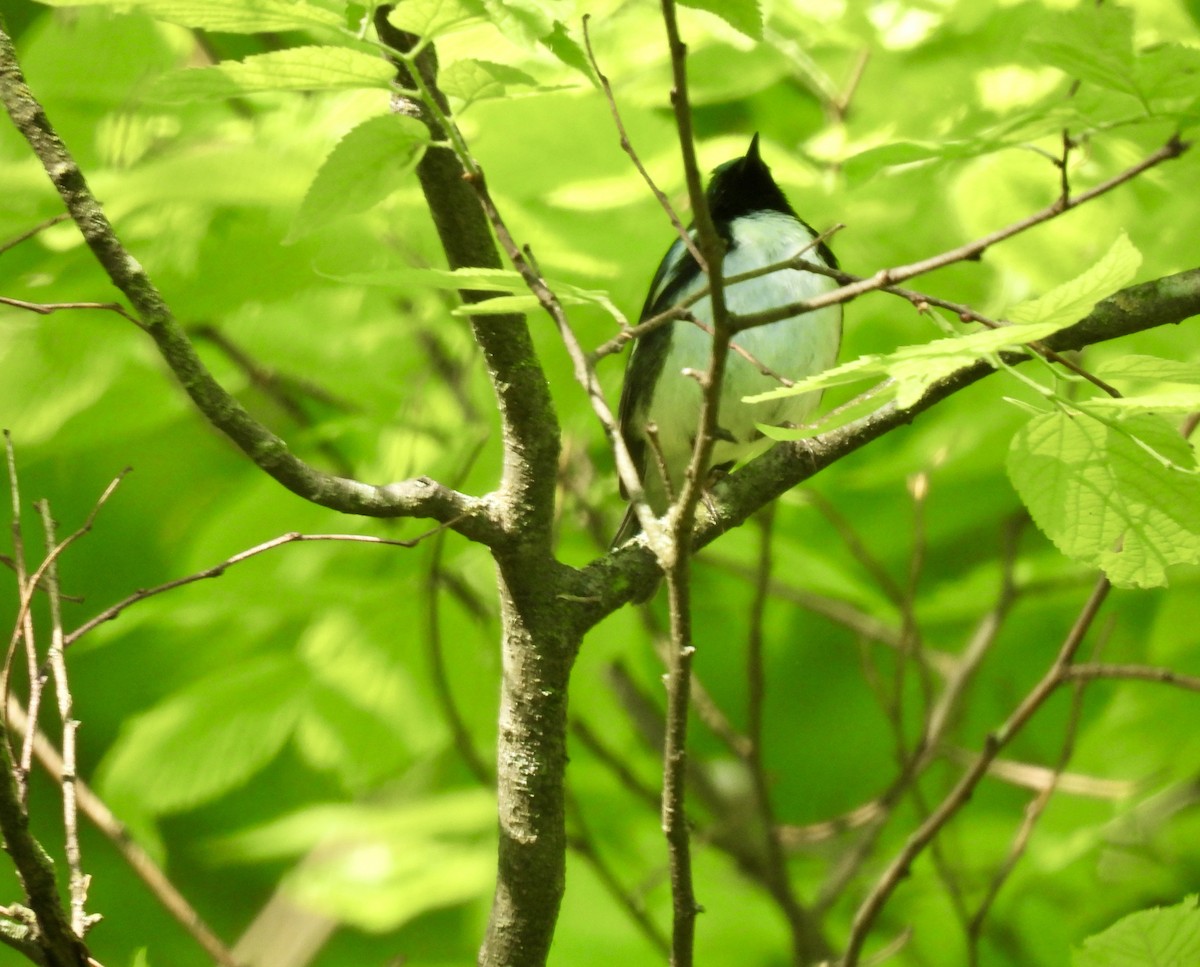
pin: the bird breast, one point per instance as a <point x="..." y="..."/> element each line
<point x="794" y="348"/>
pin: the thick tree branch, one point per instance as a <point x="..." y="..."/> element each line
<point x="419" y="497"/>
<point x="539" y="642"/>
<point x="609" y="582"/>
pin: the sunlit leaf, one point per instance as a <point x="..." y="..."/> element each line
<point x="366" y="166"/>
<point x="428" y="18"/>
<point x="293" y="69"/>
<point x="1161" y="937"/>
<point x="1073" y="300"/>
<point x="473" y="80"/>
<point x="1092" y="43"/>
<point x="231" y="16"/>
<point x="1103" y="494"/>
<point x="1149" y="368"/>
<point x="743" y="15"/>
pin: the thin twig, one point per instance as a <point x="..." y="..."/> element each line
<point x="969" y="251"/>
<point x="804" y="933"/>
<point x="1033" y="812"/>
<point x="961" y="793"/>
<point x="98" y="813"/>
<point x="584" y="844"/>
<point x="1145" y="673"/>
<point x="437" y="659"/>
<point x="219" y="569"/>
<point x="36" y="230"/>
<point x="78" y="882"/>
<point x="627" y="147"/>
<point x="615" y="762"/>
<point x="46" y="308"/>
<point x="23" y="629"/>
<point x="53" y="555"/>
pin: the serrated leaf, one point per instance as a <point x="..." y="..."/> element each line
<point x="1150" y="368"/>
<point x="1161" y="937"/>
<point x="568" y="50"/>
<point x="916" y="368"/>
<point x="366" y="166"/>
<point x="1092" y="43"/>
<point x="475" y="80"/>
<point x="1182" y="402"/>
<point x="210" y="738"/>
<point x="228" y="16"/>
<point x="293" y="69"/>
<point x="1096" y="490"/>
<point x="1073" y="300"/>
<point x="429" y="18"/>
<point x="744" y="16"/>
<point x="526" y="22"/>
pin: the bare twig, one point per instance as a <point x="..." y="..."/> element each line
<point x="961" y="793"/>
<point x="78" y="882"/>
<point x="437" y="663"/>
<point x="22" y="629"/>
<point x="804" y="932"/>
<point x="98" y="813"/>
<point x="584" y="843"/>
<point x="217" y="570"/>
<point x="53" y="554"/>
<point x="46" y="308"/>
<point x="1033" y="812"/>
<point x="627" y="147"/>
<point x="966" y="252"/>
<point x="1144" y="673"/>
<point x="36" y="230"/>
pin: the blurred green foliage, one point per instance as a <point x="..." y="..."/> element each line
<point x="289" y="708"/>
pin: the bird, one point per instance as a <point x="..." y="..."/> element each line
<point x="659" y="413"/>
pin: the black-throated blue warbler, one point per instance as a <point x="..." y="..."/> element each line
<point x="759" y="228"/>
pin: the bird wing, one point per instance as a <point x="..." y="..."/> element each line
<point x="675" y="272"/>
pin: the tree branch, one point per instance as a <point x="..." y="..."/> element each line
<point x="418" y="497"/>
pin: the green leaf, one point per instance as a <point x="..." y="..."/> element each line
<point x="379" y="866"/>
<point x="229" y="16"/>
<point x="366" y="166"/>
<point x="1161" y="937"/>
<point x="1104" y="494"/>
<point x="379" y="887"/>
<point x="916" y="368"/>
<point x="210" y="738"/>
<point x="568" y="50"/>
<point x="293" y="69"/>
<point x="1073" y="300"/>
<point x="463" y="813"/>
<point x="1169" y="71"/>
<point x="1092" y="43"/>
<point x="429" y="18"/>
<point x="1182" y="402"/>
<point x="742" y="15"/>
<point x="1149" y="368"/>
<point x="480" y="280"/>
<point x="526" y="22"/>
<point x="500" y="305"/>
<point x="475" y="80"/>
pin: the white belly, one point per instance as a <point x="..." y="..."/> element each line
<point x="794" y="348"/>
